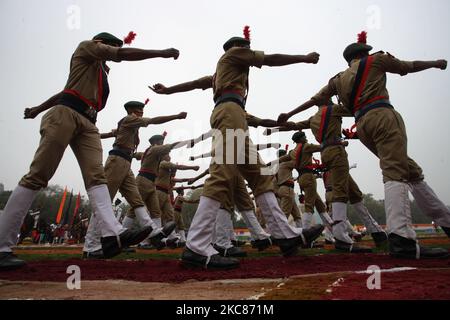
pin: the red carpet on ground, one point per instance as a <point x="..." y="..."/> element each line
<point x="163" y="270"/>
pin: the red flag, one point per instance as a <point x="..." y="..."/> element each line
<point x="77" y="207"/>
<point x="61" y="206"/>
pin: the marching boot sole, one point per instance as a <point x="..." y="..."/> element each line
<point x="196" y="265"/>
<point x="11" y="268"/>
<point x="290" y="252"/>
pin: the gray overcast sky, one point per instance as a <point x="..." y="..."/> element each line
<point x="40" y="36"/>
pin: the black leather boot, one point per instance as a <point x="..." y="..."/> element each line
<point x="238" y="243"/>
<point x="9" y="261"/>
<point x="191" y="259"/>
<point x="165" y="232"/>
<point x="94" y="255"/>
<point x="400" y="247"/>
<point x="447" y="231"/>
<point x="233" y="252"/>
<point x="262" y="244"/>
<point x="350" y="247"/>
<point x="290" y="246"/>
<point x="113" y="245"/>
<point x="380" y="239"/>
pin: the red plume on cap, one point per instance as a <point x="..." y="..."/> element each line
<point x="362" y="37"/>
<point x="286" y="147"/>
<point x="247" y="33"/>
<point x="164" y="134"/>
<point x="146" y="101"/>
<point x="129" y="38"/>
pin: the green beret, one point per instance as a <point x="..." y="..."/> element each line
<point x="352" y="50"/>
<point x="134" y="104"/>
<point x="298" y="136"/>
<point x="109" y="39"/>
<point x="156" y="138"/>
<point x="281" y="153"/>
<point x="227" y="45"/>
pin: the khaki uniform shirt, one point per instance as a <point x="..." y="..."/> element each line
<point x="165" y="174"/>
<point x="233" y="68"/>
<point x="87" y="66"/>
<point x="127" y="135"/>
<point x="306" y="155"/>
<point x="152" y="158"/>
<point x="342" y="84"/>
<point x="285" y="172"/>
<point x="334" y="125"/>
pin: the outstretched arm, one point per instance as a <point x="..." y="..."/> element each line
<point x="286" y="116"/>
<point x="183" y="167"/>
<point x="278" y="60"/>
<point x="202" y="83"/>
<point x="31" y="113"/>
<point x="192" y="180"/>
<point x="108" y="135"/>
<point x="135" y="54"/>
<point x="164" y="119"/>
<point x="288" y="126"/>
<point x="425" y="65"/>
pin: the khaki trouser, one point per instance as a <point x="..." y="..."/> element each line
<point x="120" y="177"/>
<point x="287" y="202"/>
<point x="328" y="200"/>
<point x="147" y="190"/>
<point x="178" y="220"/>
<point x="242" y="199"/>
<point x="383" y="132"/>
<point x="165" y="206"/>
<point x="223" y="177"/>
<point x="343" y="186"/>
<point x="308" y="183"/>
<point x="60" y="127"/>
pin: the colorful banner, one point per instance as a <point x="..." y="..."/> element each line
<point x="77" y="207"/>
<point x="61" y="206"/>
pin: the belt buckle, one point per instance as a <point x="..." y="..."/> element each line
<point x="91" y="113"/>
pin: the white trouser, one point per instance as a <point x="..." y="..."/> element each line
<point x="298" y="223"/>
<point x="101" y="205"/>
<point x="128" y="223"/>
<point x="92" y="240"/>
<point x="13" y="215"/>
<point x="202" y="226"/>
<point x="328" y="235"/>
<point x="307" y="220"/>
<point x="253" y="225"/>
<point x="182" y="236"/>
<point x="350" y="229"/>
<point x="429" y="203"/>
<point x="326" y="219"/>
<point x="369" y="222"/>
<point x="144" y="220"/>
<point x="340" y="214"/>
<point x="158" y="222"/>
<point x="398" y="210"/>
<point x="277" y="222"/>
<point x="224" y="228"/>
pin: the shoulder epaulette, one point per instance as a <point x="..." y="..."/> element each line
<point x="379" y="52"/>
